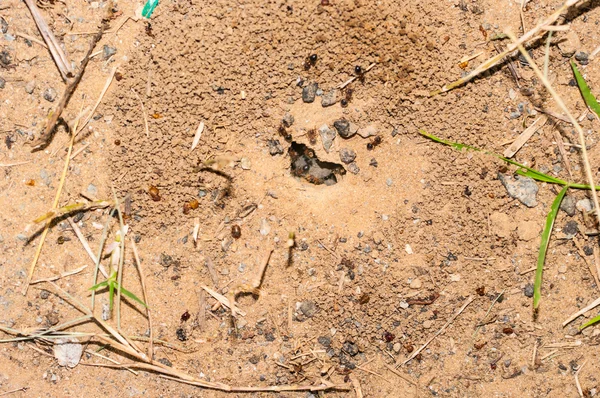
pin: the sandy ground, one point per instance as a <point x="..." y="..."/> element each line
<point x="411" y="232"/>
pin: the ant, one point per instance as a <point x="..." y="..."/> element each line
<point x="310" y="61"/>
<point x="376" y="141"/>
<point x="149" y="30"/>
<point x="360" y="73"/>
<point x="312" y="136"/>
<point x="283" y="132"/>
<point x="347" y="97"/>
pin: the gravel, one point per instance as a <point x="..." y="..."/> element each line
<point x="275" y="147"/>
<point x="343" y="128"/>
<point x="353" y="168"/>
<point x="521" y="188"/>
<point x="50" y="94"/>
<point x="329" y="98"/>
<point x="568" y="205"/>
<point x="30" y="86"/>
<point x="347" y="155"/>
<point x="287" y="120"/>
<point x="327" y="137"/>
<point x="108" y="51"/>
<point x="309" y="92"/>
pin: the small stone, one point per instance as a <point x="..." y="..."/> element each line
<point x="45" y="176"/>
<point x="353" y="168"/>
<point x="275" y="147"/>
<point x="512" y="94"/>
<point x="166" y="362"/>
<point x="242" y="267"/>
<point x="3" y="25"/>
<point x="347" y="155"/>
<point x="308" y="308"/>
<point x="265" y="228"/>
<point x="329" y="99"/>
<point x="5" y="57"/>
<point x="568" y="205"/>
<point x="570" y="229"/>
<point x="287" y="120"/>
<point x="309" y="92"/>
<point x="343" y="128"/>
<point x="367" y="131"/>
<point x="44" y="294"/>
<point x="30" y="86"/>
<point x="584" y="205"/>
<point x="389" y="182"/>
<point x="92" y="190"/>
<point x="22" y="237"/>
<point x="166" y="260"/>
<point x="514" y="115"/>
<point x="2" y="83"/>
<point x="454" y="277"/>
<point x="427" y="324"/>
<point x="108" y="51"/>
<point x="245" y="163"/>
<point x="416" y="283"/>
<point x="324" y="341"/>
<point x="350" y="348"/>
<point x="50" y="94"/>
<point x="404" y="305"/>
<point x="319" y="92"/>
<point x="327" y="137"/>
<point x="562" y="269"/>
<point x="522" y="188"/>
<point x="367" y="249"/>
<point x="397" y="347"/>
<point x="528" y="290"/>
<point x="582" y="57"/>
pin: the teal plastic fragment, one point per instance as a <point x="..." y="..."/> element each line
<point x="149" y="8"/>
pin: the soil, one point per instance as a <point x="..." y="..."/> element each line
<point x="387" y="246"/>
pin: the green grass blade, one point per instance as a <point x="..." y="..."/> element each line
<point x="537" y="285"/>
<point x="99" y="285"/>
<point x="590" y="322"/>
<point x="132" y="296"/>
<point x="111" y="295"/>
<point x="586" y="93"/>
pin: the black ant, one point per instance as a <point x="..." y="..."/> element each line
<point x="283" y="132"/>
<point x="376" y="141"/>
<point x="149" y="30"/>
<point x="360" y="73"/>
<point x="310" y="61"/>
<point x="347" y="97"/>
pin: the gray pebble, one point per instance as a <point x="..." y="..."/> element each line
<point x="350" y="348"/>
<point x="242" y="267"/>
<point x="319" y="92"/>
<point x="45" y="177"/>
<point x="22" y="237"/>
<point x="92" y="190"/>
<point x="507" y="363"/>
<point x="308" y="308"/>
<point x="367" y="249"/>
<point x="50" y="94"/>
<point x="309" y="92"/>
<point x="568" y="205"/>
<point x="394" y="132"/>
<point x="571" y="228"/>
<point x="2" y="83"/>
<point x="528" y="290"/>
<point x="325" y="341"/>
<point x="44" y="294"/>
<point x="522" y="188"/>
<point x="329" y="99"/>
<point x="327" y="137"/>
<point x="389" y="182"/>
<point x="514" y="115"/>
<point x="30" y="86"/>
<point x="343" y="128"/>
<point x="108" y="51"/>
<point x="582" y="57"/>
<point x="288" y="120"/>
<point x="275" y="147"/>
<point x="353" y="168"/>
<point x="347" y="155"/>
<point x="201" y="193"/>
<point x="3" y="25"/>
<point x="590" y="116"/>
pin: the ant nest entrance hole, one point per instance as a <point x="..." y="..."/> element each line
<point x="306" y="165"/>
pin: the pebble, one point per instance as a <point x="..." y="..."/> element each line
<point x="3" y="25"/>
<point x="67" y="352"/>
<point x="367" y="131"/>
<point x="367" y="249"/>
<point x="265" y="228"/>
<point x="329" y="99"/>
<point x="570" y="229"/>
<point x="582" y="57"/>
<point x="568" y="205"/>
<point x="350" y="348"/>
<point x="416" y="283"/>
<point x="528" y="290"/>
<point x="404" y="305"/>
<point x="108" y="51"/>
<point x="50" y="94"/>
<point x="309" y="92"/>
<point x="325" y="341"/>
<point x="2" y="83"/>
<point x="327" y="137"/>
<point x="514" y="115"/>
<point x="275" y="147"/>
<point x="455" y="277"/>
<point x="408" y="249"/>
<point x="105" y="312"/>
<point x="287" y="120"/>
<point x="389" y="182"/>
<point x="308" y="308"/>
<point x="347" y="155"/>
<point x="353" y="168"/>
<point x="584" y="205"/>
<point x="242" y="267"/>
<point x="30" y="86"/>
<point x="245" y="163"/>
<point x="319" y="92"/>
<point x="92" y="190"/>
<point x="397" y="347"/>
<point x="45" y="177"/>
<point x="343" y="128"/>
<point x="562" y="269"/>
<point x="44" y="294"/>
<point x="521" y="188"/>
<point x="512" y="94"/>
<point x="427" y="324"/>
<point x="373" y="162"/>
<point x="5" y="57"/>
<point x="22" y="237"/>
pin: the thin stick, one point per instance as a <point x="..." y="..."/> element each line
<point x="547" y="54"/>
<point x="559" y="101"/>
<point x="54" y="206"/>
<point x="563" y="152"/>
<point x="353" y="78"/>
<point x="145" y="293"/>
<point x="488" y="311"/>
<point x="525" y="136"/>
<point x="121" y="256"/>
<point x="77" y="152"/>
<point x="143" y="113"/>
<point x="579" y="390"/>
<point x="456" y="314"/>
<point x="263" y="267"/>
<point x="31" y="38"/>
<point x="108" y="359"/>
<point x="532" y="34"/>
<point x="534" y="355"/>
<point x="84" y="241"/>
<point x="102" y="93"/>
<point x="400" y="375"/>
<point x="14" y="164"/>
<point x="58" y="55"/>
<point x="582" y="311"/>
<point x="44" y="136"/>
<point x="63" y="275"/>
<point x="15" y="390"/>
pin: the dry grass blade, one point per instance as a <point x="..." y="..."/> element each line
<point x="104" y="89"/>
<point x="197" y="136"/>
<point x="525" y="136"/>
<point x="63" y="275"/>
<point x="146" y="129"/>
<point x="532" y="34"/>
<point x="561" y="104"/>
<point x="58" y="55"/>
<point x="224" y="300"/>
